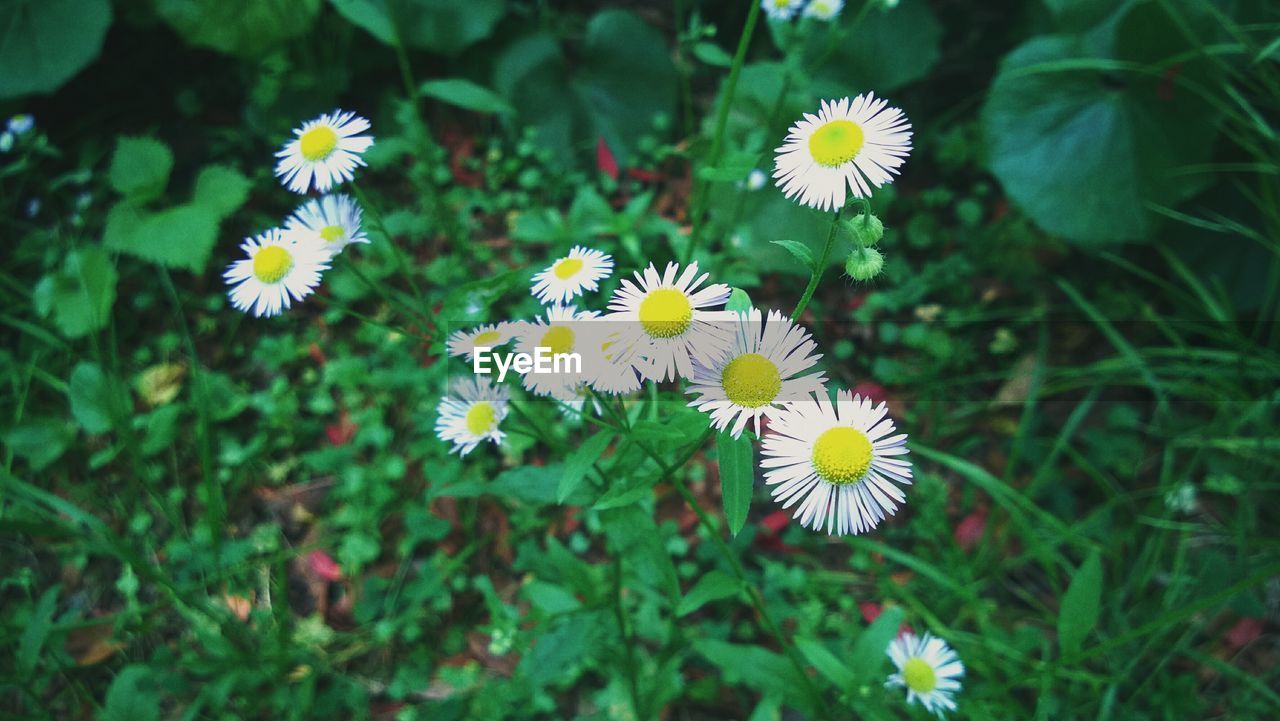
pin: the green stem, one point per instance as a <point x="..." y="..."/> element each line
<point x="819" y="268"/>
<point x="628" y="644"/>
<point x="722" y="121"/>
<point x="376" y="217"/>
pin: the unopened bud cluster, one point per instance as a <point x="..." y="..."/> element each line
<point x="865" y="262"/>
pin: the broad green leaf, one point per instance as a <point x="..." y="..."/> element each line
<point x="132" y="696"/>
<point x="443" y="26"/>
<point x="870" y="651"/>
<point x="40" y="441"/>
<point x="550" y="598"/>
<point x="79" y="296"/>
<point x="140" y="168"/>
<point x="739" y="301"/>
<point x="161" y="429"/>
<point x="1081" y="604"/>
<point x="634" y="535"/>
<point x="737" y="478"/>
<point x="90" y="394"/>
<point x="245" y="29"/>
<point x="177" y="237"/>
<point x="799" y="251"/>
<point x="579" y="463"/>
<point x="466" y="94"/>
<point x="44" y="43"/>
<point x="221" y="190"/>
<point x="826" y="663"/>
<point x="714" y="586"/>
<point x="882" y="52"/>
<point x="751" y="666"/>
<point x="712" y="54"/>
<point x="1083" y="146"/>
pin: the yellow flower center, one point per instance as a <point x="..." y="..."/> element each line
<point x="919" y="675"/>
<point x="333" y="233"/>
<point x="486" y="339"/>
<point x="666" y="313"/>
<point x="318" y="142"/>
<point x="782" y="4"/>
<point x="751" y="381"/>
<point x="272" y="263"/>
<point x="559" y="339"/>
<point x="836" y="143"/>
<point x="566" y="268"/>
<point x="842" y="455"/>
<point x="482" y="418"/>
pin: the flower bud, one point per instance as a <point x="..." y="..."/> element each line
<point x="866" y="230"/>
<point x="864" y="264"/>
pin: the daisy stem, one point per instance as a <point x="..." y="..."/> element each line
<point x="627" y="643"/>
<point x="382" y="292"/>
<point x="376" y="217"/>
<point x="722" y="121"/>
<point x="819" y="268"/>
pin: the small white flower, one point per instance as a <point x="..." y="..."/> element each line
<point x="928" y="669"/>
<point x="281" y="268"/>
<point x="780" y="9"/>
<point x="757" y="179"/>
<point x="471" y="413"/>
<point x="563" y="332"/>
<point x="663" y="322"/>
<point x="581" y="270"/>
<point x="6" y="141"/>
<point x="333" y="219"/>
<point x="20" y="124"/>
<point x="465" y="342"/>
<point x="325" y="152"/>
<point x="841" y="460"/>
<point x="823" y="9"/>
<point x="759" y="374"/>
<point x="849" y="144"/>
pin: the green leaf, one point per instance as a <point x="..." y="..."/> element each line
<point x="711" y="587"/>
<point x="162" y="428"/>
<point x="40" y="441"/>
<point x="883" y="50"/>
<point x="712" y="54"/>
<point x="44" y="43"/>
<point x="132" y="696"/>
<point x="739" y="301"/>
<point x="443" y="26"/>
<point x="140" y="168"/>
<point x="578" y="464"/>
<point x="737" y="478"/>
<point x="244" y="29"/>
<point x="221" y="190"/>
<point x="751" y="666"/>
<point x="466" y="94"/>
<point x="90" y="395"/>
<point x="36" y="630"/>
<point x="799" y="251"/>
<point x="1081" y="604"/>
<point x="1112" y="144"/>
<point x="80" y="295"/>
<point x="826" y="663"/>
<point x="178" y="237"/>
<point x="871" y="649"/>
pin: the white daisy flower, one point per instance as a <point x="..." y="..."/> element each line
<point x="858" y="144"/>
<point x="335" y="219"/>
<point x="564" y="333"/>
<point x="463" y="343"/>
<point x="823" y="9"/>
<point x="665" y="321"/>
<point x="780" y="9"/>
<point x="758" y="374"/>
<point x="841" y="461"/>
<point x="929" y="670"/>
<point x="471" y="413"/>
<point x="580" y="270"/>
<point x="325" y="152"/>
<point x="281" y="267"/>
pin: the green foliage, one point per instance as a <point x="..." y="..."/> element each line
<point x="247" y="30"/>
<point x="465" y="94"/>
<point x="79" y="296"/>
<point x="140" y="168"/>
<point x="44" y="43"/>
<point x="94" y="398"/>
<point x="1080" y="605"/>
<point x="737" y="478"/>
<point x="887" y="50"/>
<point x="442" y="26"/>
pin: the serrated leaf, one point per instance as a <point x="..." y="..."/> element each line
<point x="713" y="586"/>
<point x="826" y="663"/>
<point x="221" y="190"/>
<point x="1080" y="606"/>
<point x="466" y="94"/>
<point x="44" y="43"/>
<point x="90" y="394"/>
<point x="870" y="651"/>
<point x="178" y="237"/>
<point x="737" y="478"/>
<point x="579" y="463"/>
<point x="140" y="168"/>
<point x="799" y="251"/>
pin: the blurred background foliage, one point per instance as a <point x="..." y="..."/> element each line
<point x="204" y="516"/>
